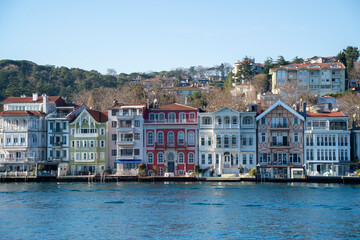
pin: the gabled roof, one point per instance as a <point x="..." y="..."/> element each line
<point x="325" y="114"/>
<point x="29" y="99"/>
<point x="280" y="103"/>
<point x="173" y="107"/>
<point x="97" y="115"/>
<point x="29" y="113"/>
<point x="226" y="107"/>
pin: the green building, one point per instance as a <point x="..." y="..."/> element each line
<point x="88" y="142"/>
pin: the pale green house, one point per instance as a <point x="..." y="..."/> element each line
<point x="88" y="142"/>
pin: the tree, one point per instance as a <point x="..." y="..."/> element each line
<point x="245" y="70"/>
<point x="268" y="63"/>
<point x="111" y="71"/>
<point x="349" y="104"/>
<point x="281" y="61"/>
<point x="259" y="83"/>
<point x="348" y="57"/>
<point x="355" y="72"/>
<point x="297" y="60"/>
<point x="197" y="100"/>
<point x="229" y="80"/>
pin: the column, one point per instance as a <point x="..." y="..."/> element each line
<point x="220" y="163"/>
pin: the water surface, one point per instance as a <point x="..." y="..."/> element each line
<point x="179" y="210"/>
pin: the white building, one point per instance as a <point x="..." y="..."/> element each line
<point x="227" y="141"/>
<point x="125" y="138"/>
<point x="327" y="144"/>
<point x="58" y="135"/>
<point x="23" y="132"/>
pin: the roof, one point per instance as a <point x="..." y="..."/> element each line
<point x="29" y="99"/>
<point x="97" y="115"/>
<point x="312" y="66"/>
<point x="325" y="114"/>
<point x="279" y="103"/>
<point x="29" y="113"/>
<point x="120" y="105"/>
<point x="226" y="107"/>
<point x="174" y="106"/>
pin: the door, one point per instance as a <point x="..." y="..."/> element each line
<point x="171" y="166"/>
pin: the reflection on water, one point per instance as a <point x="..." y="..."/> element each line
<point x="179" y="210"/>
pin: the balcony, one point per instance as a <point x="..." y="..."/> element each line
<point x="247" y="125"/>
<point x="281" y="126"/>
<point x="125" y="128"/>
<point x="124" y="157"/>
<point x="57" y="144"/>
<point x="172" y="121"/>
<point x="335" y="75"/>
<point x="227" y="126"/>
<point x="125" y="142"/>
<point x="17" y="160"/>
<point x="87" y="135"/>
<point x="57" y="130"/>
<point x="279" y="145"/>
<point x="126" y="116"/>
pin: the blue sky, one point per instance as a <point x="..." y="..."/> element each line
<point x="143" y="35"/>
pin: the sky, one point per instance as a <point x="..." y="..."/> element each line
<point x="143" y="35"/>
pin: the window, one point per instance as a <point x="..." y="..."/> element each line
<point x="150" y="158"/>
<point x="191" y="158"/>
<point x="251" y="157"/>
<point x="203" y="159"/>
<point x="92" y="155"/>
<point x="192" y="116"/>
<point x="160" y="137"/>
<point x="181" y="138"/>
<point x="263" y="121"/>
<point x="170" y="138"/>
<point x="181" y="158"/>
<point x="113" y="112"/>
<point x="137" y="151"/>
<point x="209" y="158"/>
<point x="152" y="117"/>
<point x="209" y="141"/>
<point x="113" y="124"/>
<point x="161" y="116"/>
<point x="102" y="131"/>
<point x="171" y="117"/>
<point x="92" y="143"/>
<point x="85" y="144"/>
<point x="113" y="152"/>
<point x="233" y="141"/>
<point x="217" y="158"/>
<point x="226" y="141"/>
<point x="218" y="141"/>
<point x="160" y="158"/>
<point x="206" y="121"/>
<point x="263" y="137"/>
<point x="137" y="123"/>
<point x="250" y="140"/>
<point x="73" y="144"/>
<point x="102" y="143"/>
<point x="247" y="120"/>
<point x="244" y="158"/>
<point x="150" y="138"/>
<point x="296" y="121"/>
<point x="84" y="156"/>
<point x="202" y="141"/>
<point x="191" y="138"/>
<point x="234" y="120"/>
<point x="296" y="137"/>
<point x="113" y="137"/>
<point x="78" y="144"/>
<point x="182" y="117"/>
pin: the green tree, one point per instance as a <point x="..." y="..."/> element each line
<point x="348" y="57"/>
<point x="297" y="60"/>
<point x="245" y="70"/>
<point x="281" y="61"/>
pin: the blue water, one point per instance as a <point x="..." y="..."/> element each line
<point x="179" y="211"/>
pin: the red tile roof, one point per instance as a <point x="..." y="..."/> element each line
<point x="28" y="99"/>
<point x="22" y="113"/>
<point x="98" y="116"/>
<point x="174" y="106"/>
<point x="311" y="65"/>
<point x="325" y="114"/>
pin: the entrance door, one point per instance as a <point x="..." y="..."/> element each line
<point x="227" y="160"/>
<point x="171" y="166"/>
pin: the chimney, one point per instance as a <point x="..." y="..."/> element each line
<point x="45" y="103"/>
<point x="35" y="97"/>
<point x="298" y="107"/>
<point x="304" y="109"/>
<point x="258" y="108"/>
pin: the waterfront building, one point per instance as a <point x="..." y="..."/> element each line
<point x="227" y="141"/>
<point x="58" y="135"/>
<point x="170" y="134"/>
<point x="280" y="146"/>
<point x="23" y="132"/>
<point x="355" y="143"/>
<point x="88" y="142"/>
<point x="125" y="137"/>
<point x="316" y="78"/>
<point x="327" y="143"/>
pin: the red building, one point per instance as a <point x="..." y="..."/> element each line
<point x="170" y="139"/>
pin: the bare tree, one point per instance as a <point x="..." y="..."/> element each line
<point x="259" y="83"/>
<point x="355" y="72"/>
<point x="350" y="106"/>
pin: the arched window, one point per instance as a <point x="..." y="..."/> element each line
<point x="150" y="138"/>
<point x="160" y="158"/>
<point x="191" y="158"/>
<point x="160" y="137"/>
<point x="170" y="138"/>
<point x="218" y="120"/>
<point x="247" y="120"/>
<point x="161" y="116"/>
<point x="171" y="117"/>
<point x="8" y="124"/>
<point x="150" y="158"/>
<point x="234" y="120"/>
<point x="181" y="137"/>
<point x="181" y="158"/>
<point x="16" y="124"/>
<point x="226" y="120"/>
<point x="191" y="138"/>
<point x="23" y="124"/>
<point x="182" y="117"/>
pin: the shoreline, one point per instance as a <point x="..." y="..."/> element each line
<point x="111" y="178"/>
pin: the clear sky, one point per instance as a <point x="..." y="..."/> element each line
<point x="143" y="35"/>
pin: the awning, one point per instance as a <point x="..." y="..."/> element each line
<point x="128" y="161"/>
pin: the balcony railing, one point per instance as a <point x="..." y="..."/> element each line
<point x="280" y="125"/>
<point x="279" y="144"/>
<point x="171" y="145"/>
